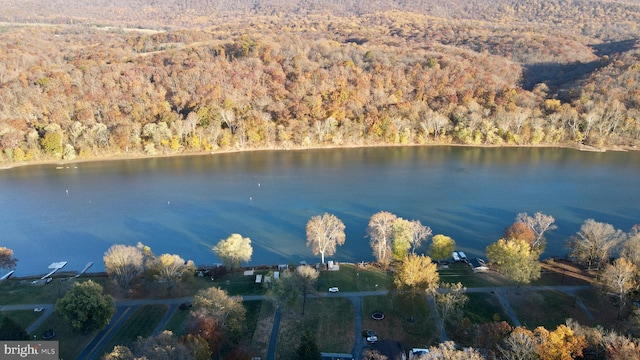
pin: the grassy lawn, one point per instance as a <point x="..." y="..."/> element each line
<point x="355" y="278"/>
<point x="234" y="283"/>
<point x="178" y="324"/>
<point x="71" y="344"/>
<point x="22" y="291"/>
<point x="141" y="323"/>
<point x="330" y="319"/>
<point x="461" y="272"/>
<point x="406" y="321"/>
<point x="544" y="308"/>
<point x="604" y="312"/>
<point x="484" y="308"/>
<point x="23" y="317"/>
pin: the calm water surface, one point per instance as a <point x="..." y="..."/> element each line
<point x="185" y="205"/>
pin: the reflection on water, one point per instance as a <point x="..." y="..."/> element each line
<point x="184" y="205"/>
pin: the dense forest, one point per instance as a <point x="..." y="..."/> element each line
<point x="87" y="79"/>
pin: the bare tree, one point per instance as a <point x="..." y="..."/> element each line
<point x="123" y="264"/>
<point x="380" y="232"/>
<point x="419" y="235"/>
<point x="594" y="242"/>
<point x="163" y="346"/>
<point x="307" y="277"/>
<point x="448" y="350"/>
<point x="324" y="233"/>
<point x="233" y="250"/>
<point x="539" y="223"/>
<point x="631" y="247"/>
<point x="284" y="291"/>
<point x="170" y="269"/>
<point x="620" y="278"/>
<point x="519" y="345"/>
<point x="216" y="303"/>
<point x="449" y="301"/>
<point x="229" y="119"/>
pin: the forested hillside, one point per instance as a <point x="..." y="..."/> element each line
<point x="87" y="78"/>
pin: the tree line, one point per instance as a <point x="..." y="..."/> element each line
<point x="388" y="78"/>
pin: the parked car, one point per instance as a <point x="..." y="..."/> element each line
<point x="462" y="255"/>
<point x="455" y="256"/>
<point x="417" y="353"/>
<point x="334" y="289"/>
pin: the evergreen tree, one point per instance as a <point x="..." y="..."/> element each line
<point x="308" y="349"/>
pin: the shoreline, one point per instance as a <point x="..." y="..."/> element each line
<point x="140" y="156"/>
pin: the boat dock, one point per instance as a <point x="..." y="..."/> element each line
<point x="86" y="267"/>
<point x="54" y="267"/>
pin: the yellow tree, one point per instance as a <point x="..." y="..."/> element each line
<point x="233" y="250"/>
<point x="560" y="344"/>
<point x="515" y="260"/>
<point x="418" y="274"/>
<point x="441" y="247"/>
<point x="402" y="235"/>
<point x="324" y="233"/>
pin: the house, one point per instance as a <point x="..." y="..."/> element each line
<point x="478" y="265"/>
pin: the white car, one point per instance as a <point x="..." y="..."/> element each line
<point x="417" y="353"/>
<point x="462" y="255"/>
<point x="38" y="309"/>
<point x="455" y="256"/>
<point x="334" y="289"/>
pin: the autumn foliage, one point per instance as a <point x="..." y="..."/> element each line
<point x="197" y="76"/>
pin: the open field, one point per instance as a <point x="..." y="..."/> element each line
<point x="140" y="324"/>
<point x="329" y="319"/>
<point x="406" y="320"/>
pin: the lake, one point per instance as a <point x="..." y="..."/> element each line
<point x="184" y="205"/>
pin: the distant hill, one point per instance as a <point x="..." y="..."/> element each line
<point x="85" y="78"/>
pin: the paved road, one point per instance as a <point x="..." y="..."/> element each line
<point x="126" y="308"/>
<point x="273" y="341"/>
<point x="358" y="343"/>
